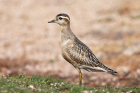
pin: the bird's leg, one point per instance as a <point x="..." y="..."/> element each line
<point x="80" y="76"/>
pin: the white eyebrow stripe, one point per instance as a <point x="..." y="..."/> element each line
<point x="64" y="17"/>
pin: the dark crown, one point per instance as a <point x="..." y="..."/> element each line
<point x="62" y="14"/>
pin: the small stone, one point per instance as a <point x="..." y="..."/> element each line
<point x="31" y="86"/>
<point x="138" y="71"/>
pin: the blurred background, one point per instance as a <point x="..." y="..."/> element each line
<point x="110" y="28"/>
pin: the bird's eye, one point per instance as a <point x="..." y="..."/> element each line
<point x="60" y="18"/>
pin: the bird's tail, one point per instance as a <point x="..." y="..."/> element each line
<point x="112" y="72"/>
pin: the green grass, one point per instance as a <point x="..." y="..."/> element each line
<point x="22" y="84"/>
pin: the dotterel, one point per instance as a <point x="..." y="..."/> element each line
<point x="76" y="52"/>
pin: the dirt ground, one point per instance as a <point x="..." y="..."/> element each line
<point x="110" y="28"/>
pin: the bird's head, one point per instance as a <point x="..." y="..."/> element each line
<point x="61" y="19"/>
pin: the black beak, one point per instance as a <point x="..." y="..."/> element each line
<point x="53" y="21"/>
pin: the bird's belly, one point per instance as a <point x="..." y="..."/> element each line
<point x="66" y="57"/>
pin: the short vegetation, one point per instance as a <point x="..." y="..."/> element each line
<point x="29" y="84"/>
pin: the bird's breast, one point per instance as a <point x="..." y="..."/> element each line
<point x="66" y="56"/>
<point x="65" y="42"/>
<point x="64" y="46"/>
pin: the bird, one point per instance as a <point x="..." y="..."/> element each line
<point x="75" y="51"/>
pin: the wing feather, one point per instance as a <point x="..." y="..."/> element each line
<point x="82" y="54"/>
